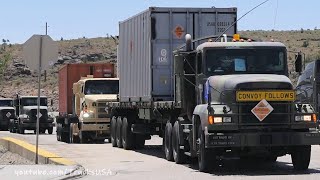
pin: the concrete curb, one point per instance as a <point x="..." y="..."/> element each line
<point x="28" y="151"/>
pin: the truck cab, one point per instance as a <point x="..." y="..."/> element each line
<point x="7" y="113"/>
<point x="244" y="104"/>
<point x="26" y="112"/>
<point x="91" y="96"/>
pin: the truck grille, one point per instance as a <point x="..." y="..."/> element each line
<point x="33" y="115"/>
<point x="279" y="115"/>
<point x="101" y="109"/>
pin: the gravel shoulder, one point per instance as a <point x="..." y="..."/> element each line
<point x="9" y="158"/>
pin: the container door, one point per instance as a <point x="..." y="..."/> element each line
<point x="167" y="39"/>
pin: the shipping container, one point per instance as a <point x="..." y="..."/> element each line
<point x="72" y="73"/>
<point x="147" y="40"/>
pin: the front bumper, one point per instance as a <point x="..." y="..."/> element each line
<point x="32" y="125"/>
<point x="95" y="127"/>
<point x="261" y="139"/>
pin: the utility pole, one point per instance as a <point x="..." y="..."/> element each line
<point x="46" y="28"/>
<point x="45" y="71"/>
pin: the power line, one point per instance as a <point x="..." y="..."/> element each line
<point x="275" y="16"/>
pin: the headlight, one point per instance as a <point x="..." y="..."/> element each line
<point x="213" y="120"/>
<point x="303" y="118"/>
<point x="86" y="115"/>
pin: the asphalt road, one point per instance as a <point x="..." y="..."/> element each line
<point x="101" y="161"/>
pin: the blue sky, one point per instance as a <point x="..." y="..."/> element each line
<point x="72" y="19"/>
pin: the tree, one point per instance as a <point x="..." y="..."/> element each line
<point x="5" y="58"/>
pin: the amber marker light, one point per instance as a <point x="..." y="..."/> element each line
<point x="314" y="117"/>
<point x="211" y="120"/>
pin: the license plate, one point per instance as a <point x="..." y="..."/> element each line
<point x="243" y="96"/>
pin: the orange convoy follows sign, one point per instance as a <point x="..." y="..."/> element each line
<point x="262" y="110"/>
<point x="179" y="31"/>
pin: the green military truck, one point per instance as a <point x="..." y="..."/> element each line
<point x="26" y="112"/>
<point x="210" y="100"/>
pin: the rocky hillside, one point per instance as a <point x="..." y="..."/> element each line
<point x="19" y="79"/>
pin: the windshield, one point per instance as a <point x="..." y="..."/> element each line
<point x="6" y="103"/>
<point x="33" y="101"/>
<point x="245" y="61"/>
<point x="101" y="87"/>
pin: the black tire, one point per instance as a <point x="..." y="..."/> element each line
<point x="65" y="137"/>
<point x="21" y="130"/>
<point x="300" y="157"/>
<point x="139" y="141"/>
<point x="50" y="130"/>
<point x="167" y="142"/>
<point x="119" y="132"/>
<point x="178" y="154"/>
<point x="127" y="135"/>
<point x="71" y="137"/>
<point x="59" y="132"/>
<point x="83" y="138"/>
<point x="206" y="157"/>
<point x="113" y="129"/>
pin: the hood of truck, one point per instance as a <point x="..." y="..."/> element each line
<point x="233" y="82"/>
<point x="6" y="108"/>
<point x="101" y="97"/>
<point x="28" y="108"/>
<point x="229" y="84"/>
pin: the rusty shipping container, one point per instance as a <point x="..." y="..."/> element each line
<point x="72" y="73"/>
<point x="147" y="40"/>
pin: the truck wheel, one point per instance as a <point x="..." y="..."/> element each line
<point x="167" y="142"/>
<point x="113" y="131"/>
<point x="50" y="130"/>
<point x="71" y="134"/>
<point x="21" y="130"/>
<point x="72" y="137"/>
<point x="119" y="133"/>
<point x="178" y="154"/>
<point x="206" y="157"/>
<point x="127" y="136"/>
<point x="58" y="133"/>
<point x="300" y="157"/>
<point x="139" y="141"/>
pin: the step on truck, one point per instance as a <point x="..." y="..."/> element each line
<point x="84" y="91"/>
<point x="7" y="113"/>
<point x="208" y="100"/>
<point x="26" y="108"/>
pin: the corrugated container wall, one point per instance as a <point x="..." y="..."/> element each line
<point x="72" y="73"/>
<point x="147" y="40"/>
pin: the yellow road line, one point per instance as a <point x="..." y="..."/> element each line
<point x="46" y="154"/>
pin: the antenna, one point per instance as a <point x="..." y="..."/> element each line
<point x="239" y="20"/>
<point x="275" y="16"/>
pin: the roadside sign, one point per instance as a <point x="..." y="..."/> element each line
<point x="40" y="52"/>
<point x="40" y="49"/>
<point x="262" y="110"/>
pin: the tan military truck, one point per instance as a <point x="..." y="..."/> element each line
<point x="84" y="93"/>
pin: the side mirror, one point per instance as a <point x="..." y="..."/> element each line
<point x="76" y="88"/>
<point x="298" y="63"/>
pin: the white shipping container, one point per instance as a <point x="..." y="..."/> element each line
<point x="146" y="43"/>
